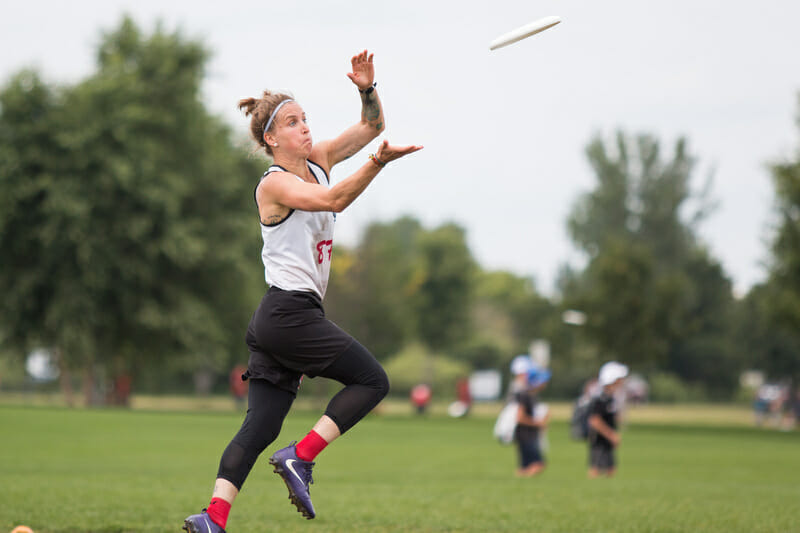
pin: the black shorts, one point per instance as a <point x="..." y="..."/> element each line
<point x="289" y="336"/>
<point x="529" y="452"/>
<point x="601" y="457"/>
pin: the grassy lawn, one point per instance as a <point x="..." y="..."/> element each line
<point x="107" y="470"/>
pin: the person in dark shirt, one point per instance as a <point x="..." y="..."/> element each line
<point x="530" y="423"/>
<point x="604" y="435"/>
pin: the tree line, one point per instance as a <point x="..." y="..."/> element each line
<point x="129" y="240"/>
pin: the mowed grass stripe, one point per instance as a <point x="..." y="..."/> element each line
<point x="117" y="471"/>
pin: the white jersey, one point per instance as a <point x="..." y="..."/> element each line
<point x="297" y="250"/>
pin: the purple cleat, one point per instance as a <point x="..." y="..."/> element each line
<point x="296" y="473"/>
<point x="201" y="523"/>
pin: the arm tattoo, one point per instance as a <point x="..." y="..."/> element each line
<point x="272" y="219"/>
<point x="351" y="152"/>
<point x="370" y="109"/>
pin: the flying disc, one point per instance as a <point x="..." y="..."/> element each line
<point x="522" y="32"/>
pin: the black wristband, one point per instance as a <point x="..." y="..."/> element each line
<point x="369" y="89"/>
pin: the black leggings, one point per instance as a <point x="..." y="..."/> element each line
<point x="366" y="384"/>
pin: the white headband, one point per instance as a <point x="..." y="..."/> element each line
<point x="274" y="112"/>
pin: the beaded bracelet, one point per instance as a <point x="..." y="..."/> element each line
<point x="376" y="160"/>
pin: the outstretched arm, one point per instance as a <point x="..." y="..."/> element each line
<point x="282" y="191"/>
<point x="354" y="138"/>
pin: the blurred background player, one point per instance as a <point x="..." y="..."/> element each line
<point x="238" y="385"/>
<point x="421" y="395"/>
<point x="532" y="420"/>
<point x="604" y="435"/>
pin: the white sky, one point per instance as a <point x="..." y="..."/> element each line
<point x="504" y="131"/>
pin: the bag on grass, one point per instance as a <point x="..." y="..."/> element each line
<point x="506" y="423"/>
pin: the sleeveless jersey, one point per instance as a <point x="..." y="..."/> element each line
<point x="297" y="250"/>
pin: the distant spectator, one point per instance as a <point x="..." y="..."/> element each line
<point x="421" y="397"/>
<point x="636" y="389"/>
<point x="505" y="427"/>
<point x="604" y="435"/>
<point x="768" y="403"/>
<point x="532" y="421"/>
<point x="463" y="404"/>
<point x="760" y="407"/>
<point x="120" y="391"/>
<point x="463" y="393"/>
<point x="791" y="409"/>
<point x="238" y="384"/>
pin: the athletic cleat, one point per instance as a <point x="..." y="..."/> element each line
<point x="296" y="473"/>
<point x="201" y="523"/>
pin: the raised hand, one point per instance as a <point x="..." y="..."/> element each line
<point x="363" y="71"/>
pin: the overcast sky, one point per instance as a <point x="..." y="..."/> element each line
<point x="504" y="131"/>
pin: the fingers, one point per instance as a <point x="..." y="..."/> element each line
<point x="361" y="58"/>
<point x="413" y="148"/>
<point x="387" y="153"/>
<point x="404" y="150"/>
<point x="363" y="70"/>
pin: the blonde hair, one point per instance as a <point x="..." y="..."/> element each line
<point x="259" y="110"/>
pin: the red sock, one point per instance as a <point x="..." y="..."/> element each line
<point x="310" y="446"/>
<point x="218" y="511"/>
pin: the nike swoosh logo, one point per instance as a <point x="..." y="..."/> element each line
<point x="290" y="466"/>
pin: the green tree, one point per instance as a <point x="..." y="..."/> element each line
<point x="652" y="294"/>
<point x="125" y="211"/>
<point x="768" y="342"/>
<point x="371" y="287"/>
<point x="640" y="197"/>
<point x="507" y="314"/>
<point x="402" y="284"/>
<point x="780" y="298"/>
<point x="703" y="350"/>
<point x="444" y="280"/>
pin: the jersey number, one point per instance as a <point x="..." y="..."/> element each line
<point x="321" y="245"/>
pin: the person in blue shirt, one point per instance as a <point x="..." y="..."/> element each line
<point x="531" y="422"/>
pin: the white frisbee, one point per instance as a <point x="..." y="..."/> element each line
<point x="527" y="30"/>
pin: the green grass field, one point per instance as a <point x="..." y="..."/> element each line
<point x="81" y="470"/>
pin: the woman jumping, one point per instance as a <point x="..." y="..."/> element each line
<point x="288" y="335"/>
